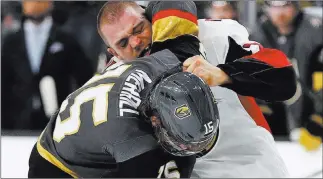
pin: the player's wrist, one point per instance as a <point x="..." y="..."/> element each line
<point x="220" y="77"/>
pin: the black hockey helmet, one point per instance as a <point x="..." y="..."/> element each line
<point x="187" y="111"/>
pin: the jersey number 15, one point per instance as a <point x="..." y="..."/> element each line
<point x="98" y="94"/>
<point x="169" y="170"/>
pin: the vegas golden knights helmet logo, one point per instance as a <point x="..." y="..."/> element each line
<point x="182" y="111"/>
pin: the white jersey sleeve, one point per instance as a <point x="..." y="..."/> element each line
<point x="214" y="35"/>
<point x="241" y="146"/>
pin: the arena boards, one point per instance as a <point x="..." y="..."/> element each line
<point x="15" y="154"/>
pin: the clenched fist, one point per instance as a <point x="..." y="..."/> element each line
<point x="211" y="74"/>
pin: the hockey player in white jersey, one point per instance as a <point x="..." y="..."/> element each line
<point x="244" y="146"/>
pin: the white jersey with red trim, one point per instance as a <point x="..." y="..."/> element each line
<point x="243" y="149"/>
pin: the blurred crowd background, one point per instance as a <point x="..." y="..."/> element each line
<point x="48" y="49"/>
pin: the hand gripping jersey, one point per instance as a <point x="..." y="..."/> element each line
<point x="98" y="131"/>
<point x="244" y="143"/>
<point x="175" y="27"/>
<point x="244" y="148"/>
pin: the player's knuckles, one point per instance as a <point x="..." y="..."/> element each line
<point x="202" y="60"/>
<point x="195" y="57"/>
<point x="187" y="62"/>
<point x="198" y="61"/>
<point x="190" y="61"/>
<point x="192" y="67"/>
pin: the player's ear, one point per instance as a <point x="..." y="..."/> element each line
<point x="113" y="52"/>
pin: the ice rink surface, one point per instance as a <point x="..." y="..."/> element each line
<point x="15" y="154"/>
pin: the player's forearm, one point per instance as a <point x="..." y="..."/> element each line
<point x="221" y="77"/>
<point x="266" y="75"/>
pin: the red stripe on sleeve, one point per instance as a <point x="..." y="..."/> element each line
<point x="175" y="12"/>
<point x="273" y="57"/>
<point x="250" y="105"/>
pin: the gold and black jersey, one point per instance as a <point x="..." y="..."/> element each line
<point x="98" y="129"/>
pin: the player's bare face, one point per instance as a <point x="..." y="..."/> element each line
<point x="130" y="36"/>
